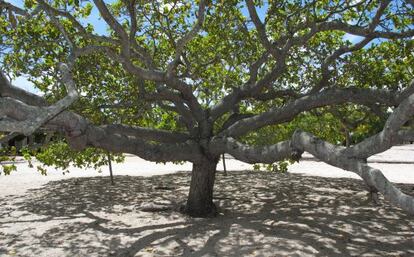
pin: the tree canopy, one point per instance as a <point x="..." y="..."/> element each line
<point x="191" y="80"/>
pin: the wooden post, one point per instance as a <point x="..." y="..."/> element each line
<point x="110" y="168"/>
<point x="224" y="165"/>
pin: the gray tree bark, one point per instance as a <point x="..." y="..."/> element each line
<point x="200" y="197"/>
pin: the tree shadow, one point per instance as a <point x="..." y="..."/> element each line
<point x="261" y="214"/>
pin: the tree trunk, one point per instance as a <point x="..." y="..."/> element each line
<point x="200" y="198"/>
<point x="348" y="137"/>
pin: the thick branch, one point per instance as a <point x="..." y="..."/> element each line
<point x="249" y="154"/>
<point x="288" y="41"/>
<point x="389" y="135"/>
<point x="261" y="29"/>
<point x="331" y="59"/>
<point x="374" y="178"/>
<point x="182" y="42"/>
<point x="8" y="90"/>
<point x="105" y="138"/>
<point x="336" y="156"/>
<point x="57" y="23"/>
<point x="42" y="114"/>
<point x="274" y="94"/>
<point x="363" y="32"/>
<point x="110" y="20"/>
<point x="306" y="103"/>
<point x="80" y="133"/>
<point x="147" y="133"/>
<point x="249" y="90"/>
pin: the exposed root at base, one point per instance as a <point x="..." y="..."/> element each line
<point x="152" y="207"/>
<point x="209" y="212"/>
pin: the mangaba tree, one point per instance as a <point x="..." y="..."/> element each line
<point x="172" y="80"/>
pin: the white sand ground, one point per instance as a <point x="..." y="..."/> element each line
<point x="315" y="210"/>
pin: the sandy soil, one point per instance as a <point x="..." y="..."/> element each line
<point x="314" y="210"/>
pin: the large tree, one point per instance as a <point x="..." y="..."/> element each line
<point x="172" y="80"/>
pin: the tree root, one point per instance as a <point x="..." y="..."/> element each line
<point x="153" y="207"/>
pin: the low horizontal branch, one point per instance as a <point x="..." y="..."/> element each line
<point x="157" y="135"/>
<point x="250" y="154"/>
<point x="105" y="138"/>
<point x="324" y="98"/>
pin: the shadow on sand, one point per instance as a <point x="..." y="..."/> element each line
<point x="262" y="214"/>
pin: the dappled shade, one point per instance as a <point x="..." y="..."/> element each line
<point x="261" y="214"/>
